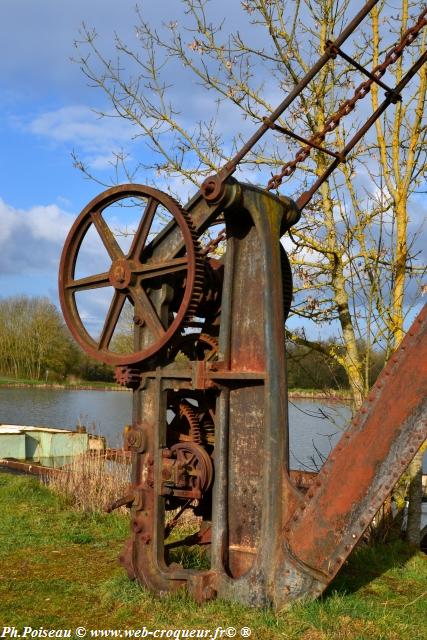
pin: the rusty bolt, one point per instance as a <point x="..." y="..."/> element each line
<point x="137" y="524"/>
<point x="145" y="538"/>
<point x="119" y="273"/>
<point x="131" y="438"/>
<point x="209" y="593"/>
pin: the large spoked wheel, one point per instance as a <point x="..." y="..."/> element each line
<point x="133" y="275"/>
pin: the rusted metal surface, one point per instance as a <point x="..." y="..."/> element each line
<point x="209" y="433"/>
<point x="363" y="468"/>
<point x="32" y="469"/>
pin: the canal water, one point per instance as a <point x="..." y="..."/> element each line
<point x="315" y="426"/>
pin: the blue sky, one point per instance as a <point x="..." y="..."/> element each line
<point x="47" y="112"/>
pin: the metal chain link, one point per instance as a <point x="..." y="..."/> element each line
<point x="349" y="105"/>
<point x="213" y="244"/>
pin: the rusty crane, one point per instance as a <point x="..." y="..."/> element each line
<point x="210" y="431"/>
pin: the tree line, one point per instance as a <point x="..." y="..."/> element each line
<point x="35" y="344"/>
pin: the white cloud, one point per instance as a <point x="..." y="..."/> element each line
<point x="79" y="126"/>
<point x="31" y="238"/>
<point x="31" y="242"/>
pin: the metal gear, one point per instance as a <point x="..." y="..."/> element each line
<point x="132" y="275"/>
<point x="127" y="377"/>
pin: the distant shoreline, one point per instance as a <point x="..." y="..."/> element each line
<point x="302" y="394"/>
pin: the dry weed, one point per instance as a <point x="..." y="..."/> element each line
<point x="91" y="481"/>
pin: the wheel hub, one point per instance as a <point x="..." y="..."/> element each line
<point x="120" y="274"/>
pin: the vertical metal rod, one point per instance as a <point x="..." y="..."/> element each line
<point x="220" y="488"/>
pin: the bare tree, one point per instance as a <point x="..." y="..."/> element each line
<point x="353" y="252"/>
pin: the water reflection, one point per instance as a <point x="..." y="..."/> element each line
<point x="315" y="426"/>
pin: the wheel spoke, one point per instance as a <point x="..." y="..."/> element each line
<point x="112" y="319"/>
<point x="141" y="235"/>
<point x="107" y="236"/>
<point x="144" y="308"/>
<point x="90" y="282"/>
<point x="157" y="269"/>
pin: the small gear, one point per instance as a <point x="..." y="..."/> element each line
<point x="127" y="377"/>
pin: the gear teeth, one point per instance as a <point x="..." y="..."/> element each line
<point x="186" y="411"/>
<point x="211" y="342"/>
<point x="199" y="278"/>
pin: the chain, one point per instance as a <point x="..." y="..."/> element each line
<point x="349" y="105"/>
<point x="214" y="243"/>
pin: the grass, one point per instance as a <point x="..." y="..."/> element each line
<point x="58" y="569"/>
<point x="83" y="384"/>
<point x="324" y="394"/>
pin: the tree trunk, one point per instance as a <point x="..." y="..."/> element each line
<point x="415" y="471"/>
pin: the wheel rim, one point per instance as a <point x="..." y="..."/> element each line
<point x="128" y="273"/>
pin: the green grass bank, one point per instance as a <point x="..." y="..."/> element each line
<point x="58" y="570"/>
<point x="97" y="385"/>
